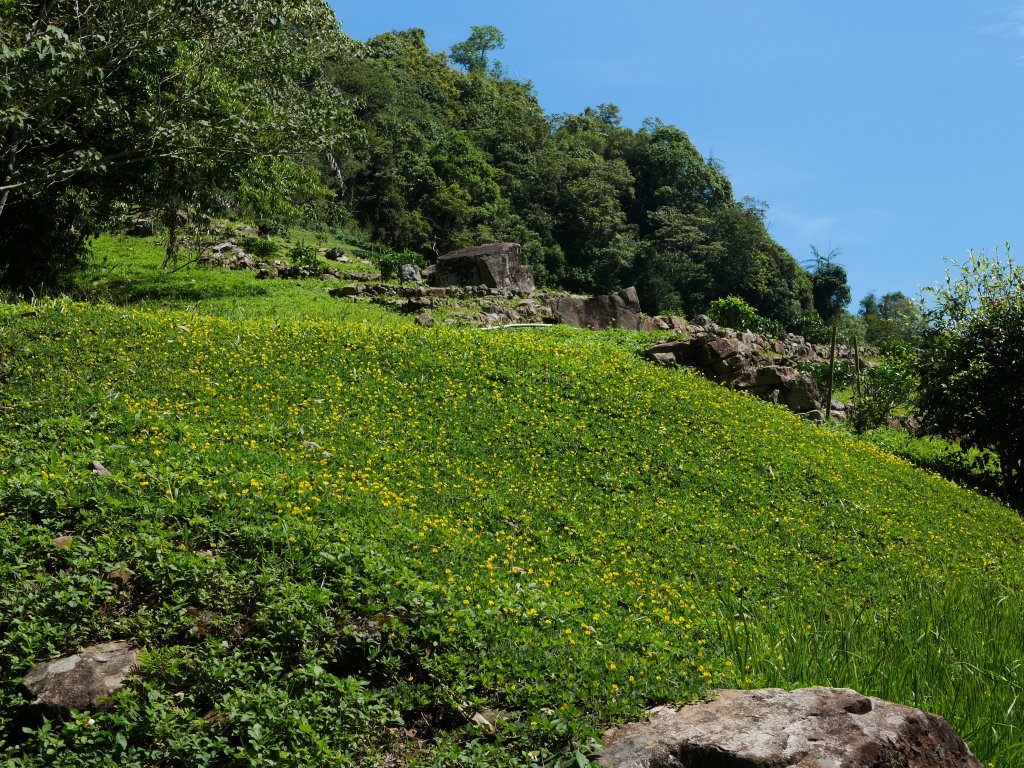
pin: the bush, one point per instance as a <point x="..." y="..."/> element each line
<point x="844" y="375"/>
<point x="975" y="468"/>
<point x="813" y="328"/>
<point x="971" y="363"/>
<point x="734" y="312"/>
<point x="303" y="255"/>
<point x="389" y="261"/>
<point x="883" y="387"/>
<point x="260" y="247"/>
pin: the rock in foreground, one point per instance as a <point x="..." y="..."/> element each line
<point x="772" y="728"/>
<point x="84" y="680"/>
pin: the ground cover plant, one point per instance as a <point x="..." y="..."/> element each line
<point x="128" y="270"/>
<point x="340" y="542"/>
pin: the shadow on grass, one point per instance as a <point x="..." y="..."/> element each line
<point x="137" y="289"/>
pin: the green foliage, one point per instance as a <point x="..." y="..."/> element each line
<point x="162" y="104"/>
<point x="275" y="192"/>
<point x="451" y="159"/>
<point x="894" y="317"/>
<point x="304" y="255"/>
<point x="341" y="534"/>
<point x="971" y="362"/>
<point x="389" y="261"/>
<point x="471" y="54"/>
<point x="260" y="247"/>
<point x="812" y="327"/>
<point x="734" y="312"/>
<point x="973" y="467"/>
<point x="884" y="386"/>
<point x="828" y="285"/>
<point x="843" y="378"/>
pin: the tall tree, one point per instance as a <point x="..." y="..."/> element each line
<point x="472" y="53"/>
<point x="829" y="285"/>
<point x="157" y="103"/>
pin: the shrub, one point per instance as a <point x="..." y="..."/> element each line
<point x="733" y="312"/>
<point x="389" y="261"/>
<point x="971" y="363"/>
<point x="844" y="375"/>
<point x="260" y="247"/>
<point x="303" y="255"/>
<point x="883" y="387"/>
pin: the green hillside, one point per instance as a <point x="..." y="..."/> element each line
<point x="345" y="540"/>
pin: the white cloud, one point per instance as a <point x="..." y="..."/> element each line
<point x="800" y="227"/>
<point x="1011" y="25"/>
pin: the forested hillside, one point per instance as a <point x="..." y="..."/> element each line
<point x="174" y="108"/>
<point x="446" y="151"/>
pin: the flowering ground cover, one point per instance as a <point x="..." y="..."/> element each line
<point x="338" y="543"/>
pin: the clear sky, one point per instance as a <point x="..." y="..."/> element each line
<point x="893" y="131"/>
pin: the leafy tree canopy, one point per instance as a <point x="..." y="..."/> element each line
<point x="971" y="360"/>
<point x="155" y="103"/>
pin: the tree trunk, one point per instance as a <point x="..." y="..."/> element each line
<point x="11" y="147"/>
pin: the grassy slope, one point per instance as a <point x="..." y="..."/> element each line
<point x="347" y="539"/>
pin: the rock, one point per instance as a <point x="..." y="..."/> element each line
<point x="98" y="469"/>
<point x="416" y="304"/>
<point x="141" y="228"/>
<point x="772" y="728"/>
<point x="84" y="680"/>
<point x="425" y="321"/>
<point x="498" y="265"/>
<point x="721" y="349"/>
<point x="347" y="290"/>
<point x="617" y="310"/>
<point x="663" y="358"/>
<point x="802" y="395"/>
<point x="704" y="324"/>
<point x="409" y="273"/>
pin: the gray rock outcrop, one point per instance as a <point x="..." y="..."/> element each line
<point x="83" y="680"/>
<point x="598" y="313"/>
<point x="498" y="265"/>
<point x="772" y="728"/>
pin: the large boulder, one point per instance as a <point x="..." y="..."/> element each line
<point x="598" y="313"/>
<point x="83" y="680"/>
<point x="772" y="728"/>
<point x="498" y="265"/>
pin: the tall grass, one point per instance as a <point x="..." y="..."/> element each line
<point x="955" y="649"/>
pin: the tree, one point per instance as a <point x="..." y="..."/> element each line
<point x="893" y="317"/>
<point x="829" y="285"/>
<point x="971" y="361"/>
<point x="154" y="103"/>
<point x="471" y="53"/>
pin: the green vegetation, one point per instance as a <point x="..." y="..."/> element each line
<point x="345" y="540"/>
<point x="174" y="113"/>
<point x="340" y="537"/>
<point x="127" y="270"/>
<point x="971" y="362"/>
<point x="162" y="105"/>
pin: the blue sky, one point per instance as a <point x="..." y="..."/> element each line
<point x="892" y="131"/>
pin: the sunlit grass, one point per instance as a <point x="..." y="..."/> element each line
<point x="442" y="521"/>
